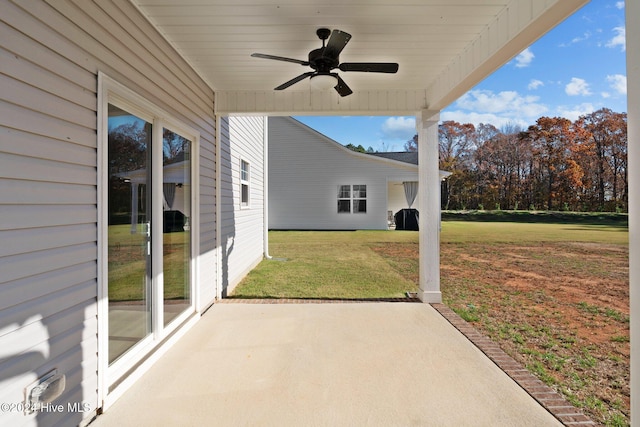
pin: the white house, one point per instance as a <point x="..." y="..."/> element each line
<point x="315" y="183"/>
<point x="91" y="91"/>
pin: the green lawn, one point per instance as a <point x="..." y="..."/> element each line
<point x="327" y="265"/>
<point x="345" y="264"/>
<point x="127" y="264"/>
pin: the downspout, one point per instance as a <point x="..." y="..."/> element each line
<point x="218" y="195"/>
<point x="265" y="184"/>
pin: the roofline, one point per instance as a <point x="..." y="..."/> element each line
<point x="355" y="153"/>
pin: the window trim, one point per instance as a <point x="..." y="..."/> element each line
<point x="352" y="198"/>
<point x="245" y="182"/>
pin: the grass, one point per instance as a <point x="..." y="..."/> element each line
<point x="128" y="264"/>
<point x="553" y="295"/>
<point x="326" y="265"/>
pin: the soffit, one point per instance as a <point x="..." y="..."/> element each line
<point x="443" y="47"/>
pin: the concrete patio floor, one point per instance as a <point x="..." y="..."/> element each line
<point x="364" y="364"/>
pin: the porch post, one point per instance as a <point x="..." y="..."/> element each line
<point x="632" y="11"/>
<point x="429" y="206"/>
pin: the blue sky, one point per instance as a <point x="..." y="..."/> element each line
<point x="575" y="69"/>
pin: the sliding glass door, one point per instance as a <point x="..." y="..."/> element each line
<point x="149" y="237"/>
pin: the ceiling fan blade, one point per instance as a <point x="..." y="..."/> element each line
<point x="370" y="67"/>
<point x="342" y="87"/>
<point x="279" y="58"/>
<point x="294" y="80"/>
<point x="336" y="43"/>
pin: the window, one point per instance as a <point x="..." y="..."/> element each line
<point x="352" y="195"/>
<point x="244" y="183"/>
<point x="344" y="199"/>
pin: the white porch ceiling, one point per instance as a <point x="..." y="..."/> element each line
<point x="443" y="47"/>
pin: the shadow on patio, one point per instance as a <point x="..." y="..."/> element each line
<point x="330" y="364"/>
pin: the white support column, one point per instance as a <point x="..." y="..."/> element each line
<point x="429" y="206"/>
<point x="633" y="135"/>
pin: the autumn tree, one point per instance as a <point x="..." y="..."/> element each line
<point x="554" y="164"/>
<point x="456" y="143"/>
<point x="412" y="144"/>
<point x="557" y="174"/>
<point x="605" y="139"/>
<point x="501" y="159"/>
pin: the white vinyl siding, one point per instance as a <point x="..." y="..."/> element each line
<point x="306" y="172"/>
<point x="50" y="55"/>
<point x="242" y="234"/>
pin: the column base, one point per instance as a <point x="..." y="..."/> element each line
<point x="430" y="297"/>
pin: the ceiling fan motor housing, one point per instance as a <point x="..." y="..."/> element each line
<point x="321" y="63"/>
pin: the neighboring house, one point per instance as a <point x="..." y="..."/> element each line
<point x="242" y="192"/>
<point x="316" y="183"/>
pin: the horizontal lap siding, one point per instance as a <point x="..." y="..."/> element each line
<point x="305" y="170"/>
<point x="50" y="54"/>
<point x="242" y="228"/>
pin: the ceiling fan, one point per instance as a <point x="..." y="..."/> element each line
<point x="326" y="59"/>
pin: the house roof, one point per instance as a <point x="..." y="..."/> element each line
<point x="443" y="48"/>
<point x="402" y="159"/>
<point x="401" y="156"/>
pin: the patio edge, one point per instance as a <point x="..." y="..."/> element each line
<point x="547" y="397"/>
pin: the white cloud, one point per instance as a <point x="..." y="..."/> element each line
<point x="585" y="36"/>
<point x="524" y="58"/>
<point x="577" y="87"/>
<point x="509" y="102"/>
<point x="619" y="5"/>
<point x="618" y="82"/>
<point x="605" y="95"/>
<point x="535" y="84"/>
<point x="573" y="112"/>
<point x="403" y="128"/>
<point x="619" y="39"/>
<point x="498" y="109"/>
<point x="496" y="120"/>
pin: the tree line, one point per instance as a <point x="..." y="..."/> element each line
<point x="555" y="164"/>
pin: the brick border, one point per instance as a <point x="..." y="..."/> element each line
<point x="235" y="300"/>
<point x="548" y="398"/>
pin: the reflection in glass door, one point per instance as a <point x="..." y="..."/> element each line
<point x="129" y="231"/>
<point x="176" y="237"/>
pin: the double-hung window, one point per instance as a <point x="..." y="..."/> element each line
<point x="352" y="199"/>
<point x="245" y="176"/>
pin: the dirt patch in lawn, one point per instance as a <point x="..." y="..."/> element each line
<point x="561" y="309"/>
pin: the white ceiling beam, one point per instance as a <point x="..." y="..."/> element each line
<point x="289" y="102"/>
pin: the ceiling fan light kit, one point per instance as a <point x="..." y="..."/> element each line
<point x="323" y="81"/>
<point x="327" y="58"/>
